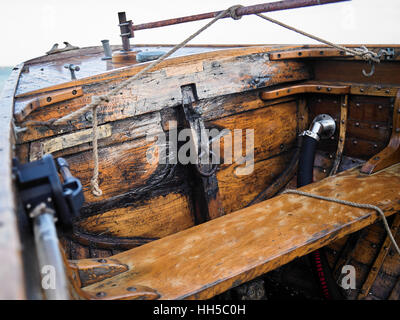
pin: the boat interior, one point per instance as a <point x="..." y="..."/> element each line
<point x="163" y="230"/>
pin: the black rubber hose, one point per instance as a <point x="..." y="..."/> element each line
<point x="328" y="286"/>
<point x="306" y="161"/>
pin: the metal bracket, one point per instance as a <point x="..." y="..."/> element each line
<point x="201" y="159"/>
<point x="68" y="47"/>
<point x="72" y="68"/>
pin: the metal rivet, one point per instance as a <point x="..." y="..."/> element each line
<point x="380" y="107"/>
<point x="101" y="294"/>
<point x="361" y="89"/>
<point x="329" y="89"/>
<point x="132" y="289"/>
<point x="102" y="260"/>
<point x="357" y="104"/>
<point x="48" y="99"/>
<point x="375" y="146"/>
<point x="376" y="126"/>
<point x="357" y="124"/>
<point x="376" y="158"/>
<point x="355" y="141"/>
<point x="343" y="121"/>
<point x="74" y="92"/>
<point x="28" y="206"/>
<point x="319" y="88"/>
<point x="387" y="91"/>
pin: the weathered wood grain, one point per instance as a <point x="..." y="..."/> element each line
<point x="210" y="258"/>
<point x="160" y="89"/>
<point x="154" y="218"/>
<point x="11" y="271"/>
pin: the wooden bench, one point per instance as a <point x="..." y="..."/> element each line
<point x="213" y="257"/>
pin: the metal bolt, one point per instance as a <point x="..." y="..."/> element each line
<point x="101" y="294"/>
<point x="89" y="116"/>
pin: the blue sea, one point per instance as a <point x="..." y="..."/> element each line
<point x="4" y="74"/>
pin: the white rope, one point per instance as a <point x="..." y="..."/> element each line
<point x="352" y="204"/>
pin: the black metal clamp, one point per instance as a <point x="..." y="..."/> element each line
<point x="38" y="182"/>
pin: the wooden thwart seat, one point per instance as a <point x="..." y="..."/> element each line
<point x="210" y="258"/>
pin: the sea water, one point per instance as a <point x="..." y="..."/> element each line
<point x="4" y="74"/>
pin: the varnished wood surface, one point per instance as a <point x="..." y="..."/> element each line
<point x="391" y="154"/>
<point x="204" y="260"/>
<point x="11" y="269"/>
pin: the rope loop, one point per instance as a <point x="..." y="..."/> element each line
<point x="232" y="12"/>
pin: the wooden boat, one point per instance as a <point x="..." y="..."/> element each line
<point x="164" y="231"/>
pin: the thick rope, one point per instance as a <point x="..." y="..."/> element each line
<point x="361" y="52"/>
<point x="95" y="179"/>
<point x="352" y="204"/>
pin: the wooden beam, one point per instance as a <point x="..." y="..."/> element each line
<point x="215" y="256"/>
<point x="46" y="100"/>
<point x="376" y="267"/>
<point x="307" y="53"/>
<point x="306" y="87"/>
<point x="11" y="271"/>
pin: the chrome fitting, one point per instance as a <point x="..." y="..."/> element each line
<point x="322" y="127"/>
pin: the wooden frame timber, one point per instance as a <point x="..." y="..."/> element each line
<point x="391" y="154"/>
<point x="306" y="87"/>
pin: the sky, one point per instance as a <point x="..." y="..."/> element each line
<point x="29" y="28"/>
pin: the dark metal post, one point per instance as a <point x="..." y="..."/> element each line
<point x="125" y="27"/>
